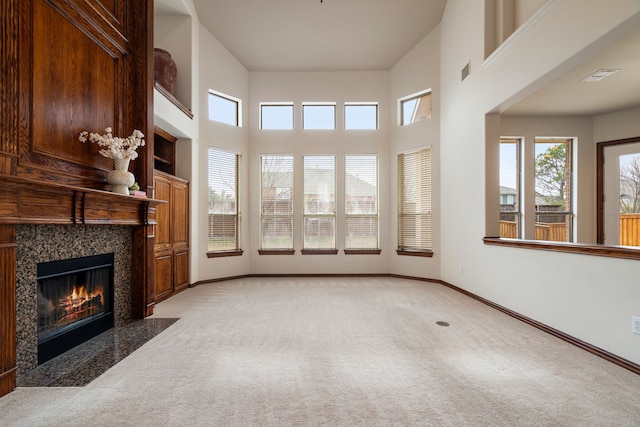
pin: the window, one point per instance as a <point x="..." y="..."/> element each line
<point x="318" y="116"/>
<point x="414" y="203"/>
<point x="360" y="116"/>
<point x="510" y="188"/>
<point x="361" y="202"/>
<point x="553" y="192"/>
<point x="276" y="116"/>
<point x="415" y="108"/>
<point x="319" y="204"/>
<point x="224" y="108"/>
<point x="276" y="213"/>
<point x="224" y="217"/>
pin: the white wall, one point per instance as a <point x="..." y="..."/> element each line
<point x="417" y="71"/>
<point x="219" y="71"/>
<point x="338" y="87"/>
<point x="591" y="298"/>
<point x="618" y="125"/>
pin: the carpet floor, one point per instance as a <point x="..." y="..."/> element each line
<point x="339" y="352"/>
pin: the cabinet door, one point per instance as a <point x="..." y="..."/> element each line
<point x="163" y="212"/>
<point x="180" y="214"/>
<point x="164" y="275"/>
<point x="181" y="269"/>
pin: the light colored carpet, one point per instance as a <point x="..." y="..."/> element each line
<point x="340" y="352"/>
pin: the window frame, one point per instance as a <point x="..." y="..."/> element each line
<point x="317" y="215"/>
<point x="415" y="96"/>
<point x="518" y="141"/>
<point x="229" y="98"/>
<point x="319" y="104"/>
<point x="238" y="211"/>
<point x="376" y="215"/>
<point x="362" y="104"/>
<point x="570" y="185"/>
<point x="404" y="180"/>
<point x="276" y="105"/>
<point x="271" y="250"/>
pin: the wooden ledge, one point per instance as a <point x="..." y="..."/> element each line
<point x="319" y="252"/>
<point x="221" y="254"/>
<point x="276" y="251"/>
<point x="426" y="254"/>
<point x="27" y="201"/>
<point x="624" y="252"/>
<point x="173" y="99"/>
<point x="362" y="251"/>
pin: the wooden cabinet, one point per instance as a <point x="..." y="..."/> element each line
<point x="172" y="235"/>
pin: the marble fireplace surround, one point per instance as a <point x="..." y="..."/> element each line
<point x="43" y="243"/>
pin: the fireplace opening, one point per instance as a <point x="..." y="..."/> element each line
<point x="75" y="302"/>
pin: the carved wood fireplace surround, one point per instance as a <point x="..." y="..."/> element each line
<point x="68" y="66"/>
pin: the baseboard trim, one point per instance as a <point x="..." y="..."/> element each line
<point x="610" y="357"/>
<point x="617" y="360"/>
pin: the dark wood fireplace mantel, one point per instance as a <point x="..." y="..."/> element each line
<point x="27" y="201"/>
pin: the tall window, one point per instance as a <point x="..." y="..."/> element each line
<point x="361" y="202"/>
<point x="276" y="213"/>
<point x="554" y="216"/>
<point x="510" y="188"/>
<point x="224" y="216"/>
<point x="415" y="108"/>
<point x="318" y="116"/>
<point x="414" y="202"/>
<point x="224" y="108"/>
<point x="319" y="203"/>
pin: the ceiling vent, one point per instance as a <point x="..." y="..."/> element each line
<point x="600" y="74"/>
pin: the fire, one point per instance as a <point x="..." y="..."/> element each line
<point x="81" y="301"/>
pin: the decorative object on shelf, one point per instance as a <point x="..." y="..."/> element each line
<point x="122" y="151"/>
<point x="165" y="71"/>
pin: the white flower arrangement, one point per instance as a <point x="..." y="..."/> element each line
<point x="115" y="147"/>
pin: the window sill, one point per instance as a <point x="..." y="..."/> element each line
<point x="574" y="248"/>
<point x="224" y="253"/>
<point x="362" y="251"/>
<point x="424" y="254"/>
<point x="276" y="251"/>
<point x="319" y="251"/>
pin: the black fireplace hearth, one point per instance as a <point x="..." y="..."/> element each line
<point x="75" y="302"/>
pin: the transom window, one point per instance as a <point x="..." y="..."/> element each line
<point x="319" y="116"/>
<point x="224" y="108"/>
<point x="224" y="216"/>
<point x="360" y="116"/>
<point x="415" y="108"/>
<point x="276" y="116"/>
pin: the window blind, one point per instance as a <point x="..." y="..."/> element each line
<point x="361" y="202"/>
<point x="414" y="200"/>
<point x="224" y="213"/>
<point x="276" y="212"/>
<point x="319" y="202"/>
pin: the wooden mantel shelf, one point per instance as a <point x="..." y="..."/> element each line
<point x="25" y="201"/>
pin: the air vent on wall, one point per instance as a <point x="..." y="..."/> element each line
<point x="600" y="74"/>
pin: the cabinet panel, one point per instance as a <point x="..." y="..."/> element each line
<point x="181" y="269"/>
<point x="162" y="188"/>
<point x="164" y="275"/>
<point x="180" y="214"/>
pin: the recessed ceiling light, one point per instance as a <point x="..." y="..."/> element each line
<point x="600" y="74"/>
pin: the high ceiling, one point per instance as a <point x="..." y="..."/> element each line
<point x="568" y="94"/>
<point x="319" y="35"/>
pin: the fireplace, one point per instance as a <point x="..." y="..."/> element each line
<point x="75" y="302"/>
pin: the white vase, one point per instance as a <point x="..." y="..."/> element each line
<point x="120" y="178"/>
